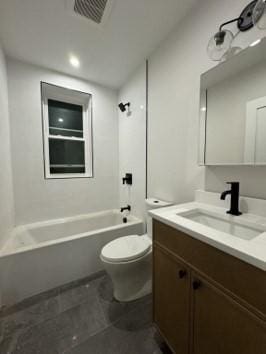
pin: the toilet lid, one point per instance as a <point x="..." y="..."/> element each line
<point x="126" y="248"/>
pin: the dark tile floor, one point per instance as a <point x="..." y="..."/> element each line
<point x="79" y="318"/>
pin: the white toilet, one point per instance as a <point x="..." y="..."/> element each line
<point x="128" y="260"/>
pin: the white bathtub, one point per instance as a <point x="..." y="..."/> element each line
<point x="44" y="255"/>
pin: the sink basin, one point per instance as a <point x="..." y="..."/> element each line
<point x="222" y="223"/>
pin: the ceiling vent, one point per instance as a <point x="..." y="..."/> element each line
<point x="91" y="9"/>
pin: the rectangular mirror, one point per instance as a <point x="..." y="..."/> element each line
<point x="232" y="121"/>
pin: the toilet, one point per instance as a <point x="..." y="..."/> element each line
<point x="128" y="260"/>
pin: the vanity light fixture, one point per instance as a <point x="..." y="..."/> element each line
<point x="253" y="14"/>
<point x="259" y="14"/>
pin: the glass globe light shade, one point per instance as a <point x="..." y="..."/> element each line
<point x="259" y="14"/>
<point x="219" y="44"/>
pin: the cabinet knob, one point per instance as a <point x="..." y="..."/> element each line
<point x="196" y="284"/>
<point x="182" y="273"/>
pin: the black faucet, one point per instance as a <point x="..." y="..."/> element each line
<point x="125" y="208"/>
<point x="234" y="192"/>
<point x="127" y="179"/>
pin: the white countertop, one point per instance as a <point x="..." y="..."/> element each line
<point x="251" y="251"/>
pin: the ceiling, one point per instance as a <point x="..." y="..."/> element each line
<point x="45" y="32"/>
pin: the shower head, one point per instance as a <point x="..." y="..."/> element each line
<point x="122" y="106"/>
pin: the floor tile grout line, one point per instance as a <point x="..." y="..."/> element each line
<point x="58" y="290"/>
<point x="90" y="336"/>
<point x="57" y="296"/>
<point x="57" y="314"/>
<point x="84" y="334"/>
<point x="107" y="323"/>
<point x="102" y="310"/>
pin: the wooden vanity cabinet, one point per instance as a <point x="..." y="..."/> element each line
<point x="199" y="313"/>
<point x="221" y="325"/>
<point x="171" y="299"/>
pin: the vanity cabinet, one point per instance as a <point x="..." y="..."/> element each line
<point x="218" y="306"/>
<point x="171" y="299"/>
<point x="221" y="325"/>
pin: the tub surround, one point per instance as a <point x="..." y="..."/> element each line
<point x="132" y="142"/>
<point x="252" y="251"/>
<point x="38" y="199"/>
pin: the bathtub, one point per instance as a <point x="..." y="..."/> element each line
<point x="44" y="255"/>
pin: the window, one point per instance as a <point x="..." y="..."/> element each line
<point x="67" y="132"/>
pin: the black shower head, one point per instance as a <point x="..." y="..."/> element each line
<point x="122" y="106"/>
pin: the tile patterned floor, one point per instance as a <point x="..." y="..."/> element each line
<point x="79" y="318"/>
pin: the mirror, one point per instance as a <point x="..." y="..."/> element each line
<point x="232" y="127"/>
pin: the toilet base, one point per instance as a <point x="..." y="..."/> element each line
<point x="131" y="280"/>
<point x="137" y="295"/>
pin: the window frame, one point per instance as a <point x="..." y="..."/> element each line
<point x="62" y="94"/>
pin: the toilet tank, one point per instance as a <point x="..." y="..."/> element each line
<point x="153" y="203"/>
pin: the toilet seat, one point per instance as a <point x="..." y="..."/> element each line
<point x="127" y="248"/>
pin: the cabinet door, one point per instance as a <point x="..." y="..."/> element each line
<point x="171" y="300"/>
<point x="221" y="325"/>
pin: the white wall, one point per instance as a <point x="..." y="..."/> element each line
<point x="174" y="83"/>
<point x="132" y="142"/>
<point x="173" y="174"/>
<point x="6" y="189"/>
<point x="40" y="199"/>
